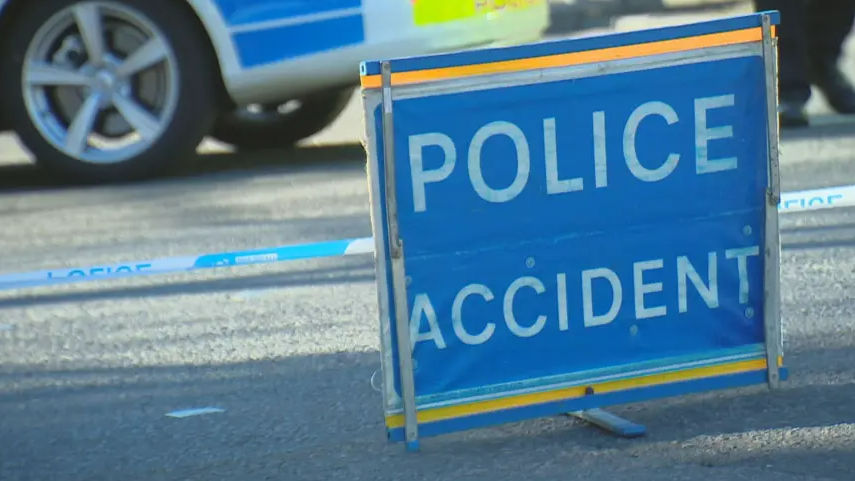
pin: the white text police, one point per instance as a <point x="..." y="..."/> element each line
<point x="597" y="171"/>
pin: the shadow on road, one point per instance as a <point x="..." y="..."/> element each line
<point x="840" y="234"/>
<point x="825" y="126"/>
<point x="820" y="244"/>
<point x="316" y="417"/>
<point x="26" y="177"/>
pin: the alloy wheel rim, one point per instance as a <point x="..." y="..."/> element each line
<point x="100" y="82"/>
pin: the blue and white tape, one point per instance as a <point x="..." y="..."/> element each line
<point x="347" y="247"/>
<point x="816" y="199"/>
<point x="792" y="202"/>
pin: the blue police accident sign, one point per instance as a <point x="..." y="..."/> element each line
<point x="576" y="235"/>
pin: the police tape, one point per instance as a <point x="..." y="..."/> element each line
<point x="800" y="201"/>
<point x="816" y="199"/>
<point x="346" y="247"/>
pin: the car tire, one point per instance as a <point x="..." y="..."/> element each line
<point x="271" y="128"/>
<point x="153" y="79"/>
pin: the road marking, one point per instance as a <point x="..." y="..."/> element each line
<point x="251" y="294"/>
<point x="186" y="413"/>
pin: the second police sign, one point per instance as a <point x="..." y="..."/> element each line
<point x="575" y="224"/>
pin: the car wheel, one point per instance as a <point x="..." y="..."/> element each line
<point x="280" y="125"/>
<point x="108" y="90"/>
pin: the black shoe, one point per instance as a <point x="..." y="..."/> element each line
<point x="834" y="86"/>
<point x="792" y="115"/>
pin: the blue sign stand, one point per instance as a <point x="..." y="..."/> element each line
<point x="570" y="225"/>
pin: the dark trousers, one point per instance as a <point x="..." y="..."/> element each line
<point x="810" y="37"/>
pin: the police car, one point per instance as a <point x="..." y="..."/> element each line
<point x="117" y="90"/>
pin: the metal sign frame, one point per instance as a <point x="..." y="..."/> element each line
<point x="379" y="90"/>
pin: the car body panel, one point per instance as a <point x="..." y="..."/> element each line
<point x="275" y="50"/>
<point x="268" y="31"/>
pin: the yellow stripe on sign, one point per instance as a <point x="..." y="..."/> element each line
<point x="574" y="58"/>
<point x="432" y="12"/>
<point x="482" y="407"/>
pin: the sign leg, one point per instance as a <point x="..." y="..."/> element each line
<point x="399" y="292"/>
<point x="611" y="423"/>
<point x="772" y="275"/>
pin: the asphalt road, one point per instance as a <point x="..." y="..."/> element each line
<point x="87" y="373"/>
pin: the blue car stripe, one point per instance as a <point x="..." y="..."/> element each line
<point x="263" y="46"/>
<point x="247" y="12"/>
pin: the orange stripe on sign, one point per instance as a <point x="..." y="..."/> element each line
<point x="574" y="58"/>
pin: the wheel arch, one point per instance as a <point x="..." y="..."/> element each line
<point x="217" y="35"/>
<point x="6" y="6"/>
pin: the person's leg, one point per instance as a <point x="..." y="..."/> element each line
<point x="829" y="23"/>
<point x="793" y="62"/>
